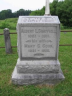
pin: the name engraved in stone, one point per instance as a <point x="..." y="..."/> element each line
<point x="26" y="31"/>
<point x="37" y="30"/>
<point x="47" y="46"/>
<point x="29" y="46"/>
<point x="38" y="40"/>
<point x="38" y="19"/>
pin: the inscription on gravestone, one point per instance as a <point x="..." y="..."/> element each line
<point x="39" y="20"/>
<point x="38" y="41"/>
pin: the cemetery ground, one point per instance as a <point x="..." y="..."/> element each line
<point x="8" y="62"/>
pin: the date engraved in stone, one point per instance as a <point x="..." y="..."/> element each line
<point x="38" y="41"/>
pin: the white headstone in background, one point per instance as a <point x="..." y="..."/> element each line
<point x="38" y="44"/>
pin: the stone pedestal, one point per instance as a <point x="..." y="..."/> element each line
<point x="37" y="72"/>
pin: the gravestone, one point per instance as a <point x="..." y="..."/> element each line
<point x="38" y="44"/>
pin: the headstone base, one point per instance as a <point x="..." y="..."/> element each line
<point x="37" y="72"/>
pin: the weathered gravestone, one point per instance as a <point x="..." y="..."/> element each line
<point x="38" y="44"/>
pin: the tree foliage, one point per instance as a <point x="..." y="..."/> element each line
<point x="63" y="9"/>
<point x="38" y="12"/>
<point x="8" y="13"/>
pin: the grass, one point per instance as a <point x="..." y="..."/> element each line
<point x="8" y="62"/>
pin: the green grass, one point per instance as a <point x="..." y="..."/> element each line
<point x="8" y="62"/>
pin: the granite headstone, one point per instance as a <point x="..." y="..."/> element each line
<point x="38" y="45"/>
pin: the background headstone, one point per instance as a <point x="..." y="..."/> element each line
<point x="7" y="41"/>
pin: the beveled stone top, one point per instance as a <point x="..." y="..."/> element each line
<point x="38" y="19"/>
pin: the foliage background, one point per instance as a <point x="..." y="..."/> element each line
<point x="63" y="9"/>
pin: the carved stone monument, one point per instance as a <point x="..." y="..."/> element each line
<point x="38" y="44"/>
<point x="47" y="9"/>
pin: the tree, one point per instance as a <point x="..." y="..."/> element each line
<point x="8" y="13"/>
<point x="38" y="12"/>
<point x="64" y="11"/>
<point x="5" y="14"/>
<point x="53" y="7"/>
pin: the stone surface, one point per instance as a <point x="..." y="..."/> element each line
<point x="27" y="79"/>
<point x="38" y="37"/>
<point x="47" y="8"/>
<point x="38" y="66"/>
<point x="7" y="41"/>
<point x="38" y="44"/>
<point x="37" y="20"/>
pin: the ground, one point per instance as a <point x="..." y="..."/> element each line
<point x="8" y="62"/>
